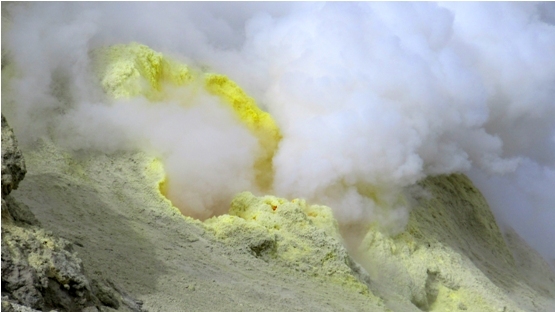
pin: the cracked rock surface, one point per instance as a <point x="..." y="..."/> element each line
<point x="13" y="165"/>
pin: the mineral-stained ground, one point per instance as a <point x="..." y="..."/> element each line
<point x="92" y="232"/>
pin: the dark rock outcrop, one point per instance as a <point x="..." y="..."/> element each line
<point x="13" y="166"/>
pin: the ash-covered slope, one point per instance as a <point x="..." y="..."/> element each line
<point x="40" y="270"/>
<point x="451" y="256"/>
<point x="127" y="233"/>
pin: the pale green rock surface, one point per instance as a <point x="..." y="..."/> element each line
<point x="292" y="234"/>
<point x="452" y="256"/>
<point x="125" y="231"/>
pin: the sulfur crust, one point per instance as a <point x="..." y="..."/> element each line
<point x="435" y="262"/>
<point x="259" y="122"/>
<point x="292" y="234"/>
<point x="155" y="170"/>
<point x="289" y="233"/>
<point x="130" y="70"/>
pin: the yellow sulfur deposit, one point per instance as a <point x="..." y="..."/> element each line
<point x="130" y="70"/>
<point x="134" y="69"/>
<point x="156" y="169"/>
<point x="437" y="263"/>
<point x="289" y="233"/>
<point x="259" y="122"/>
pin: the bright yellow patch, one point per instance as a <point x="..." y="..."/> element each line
<point x="130" y="70"/>
<point x="292" y="234"/>
<point x="259" y="122"/>
<point x="156" y="169"/>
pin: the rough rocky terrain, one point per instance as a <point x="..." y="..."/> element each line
<point x="109" y="235"/>
<point x="41" y="271"/>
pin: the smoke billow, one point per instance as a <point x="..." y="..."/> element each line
<point x="370" y="98"/>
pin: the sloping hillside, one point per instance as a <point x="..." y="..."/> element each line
<point x="451" y="256"/>
<point x="90" y="227"/>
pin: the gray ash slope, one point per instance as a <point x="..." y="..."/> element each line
<point x="450" y="257"/>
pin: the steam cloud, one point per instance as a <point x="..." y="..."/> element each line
<point x="370" y="98"/>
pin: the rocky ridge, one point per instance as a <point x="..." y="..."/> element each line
<point x="41" y="271"/>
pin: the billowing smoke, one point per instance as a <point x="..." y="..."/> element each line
<point x="370" y="98"/>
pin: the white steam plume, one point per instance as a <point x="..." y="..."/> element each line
<point x="370" y="97"/>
